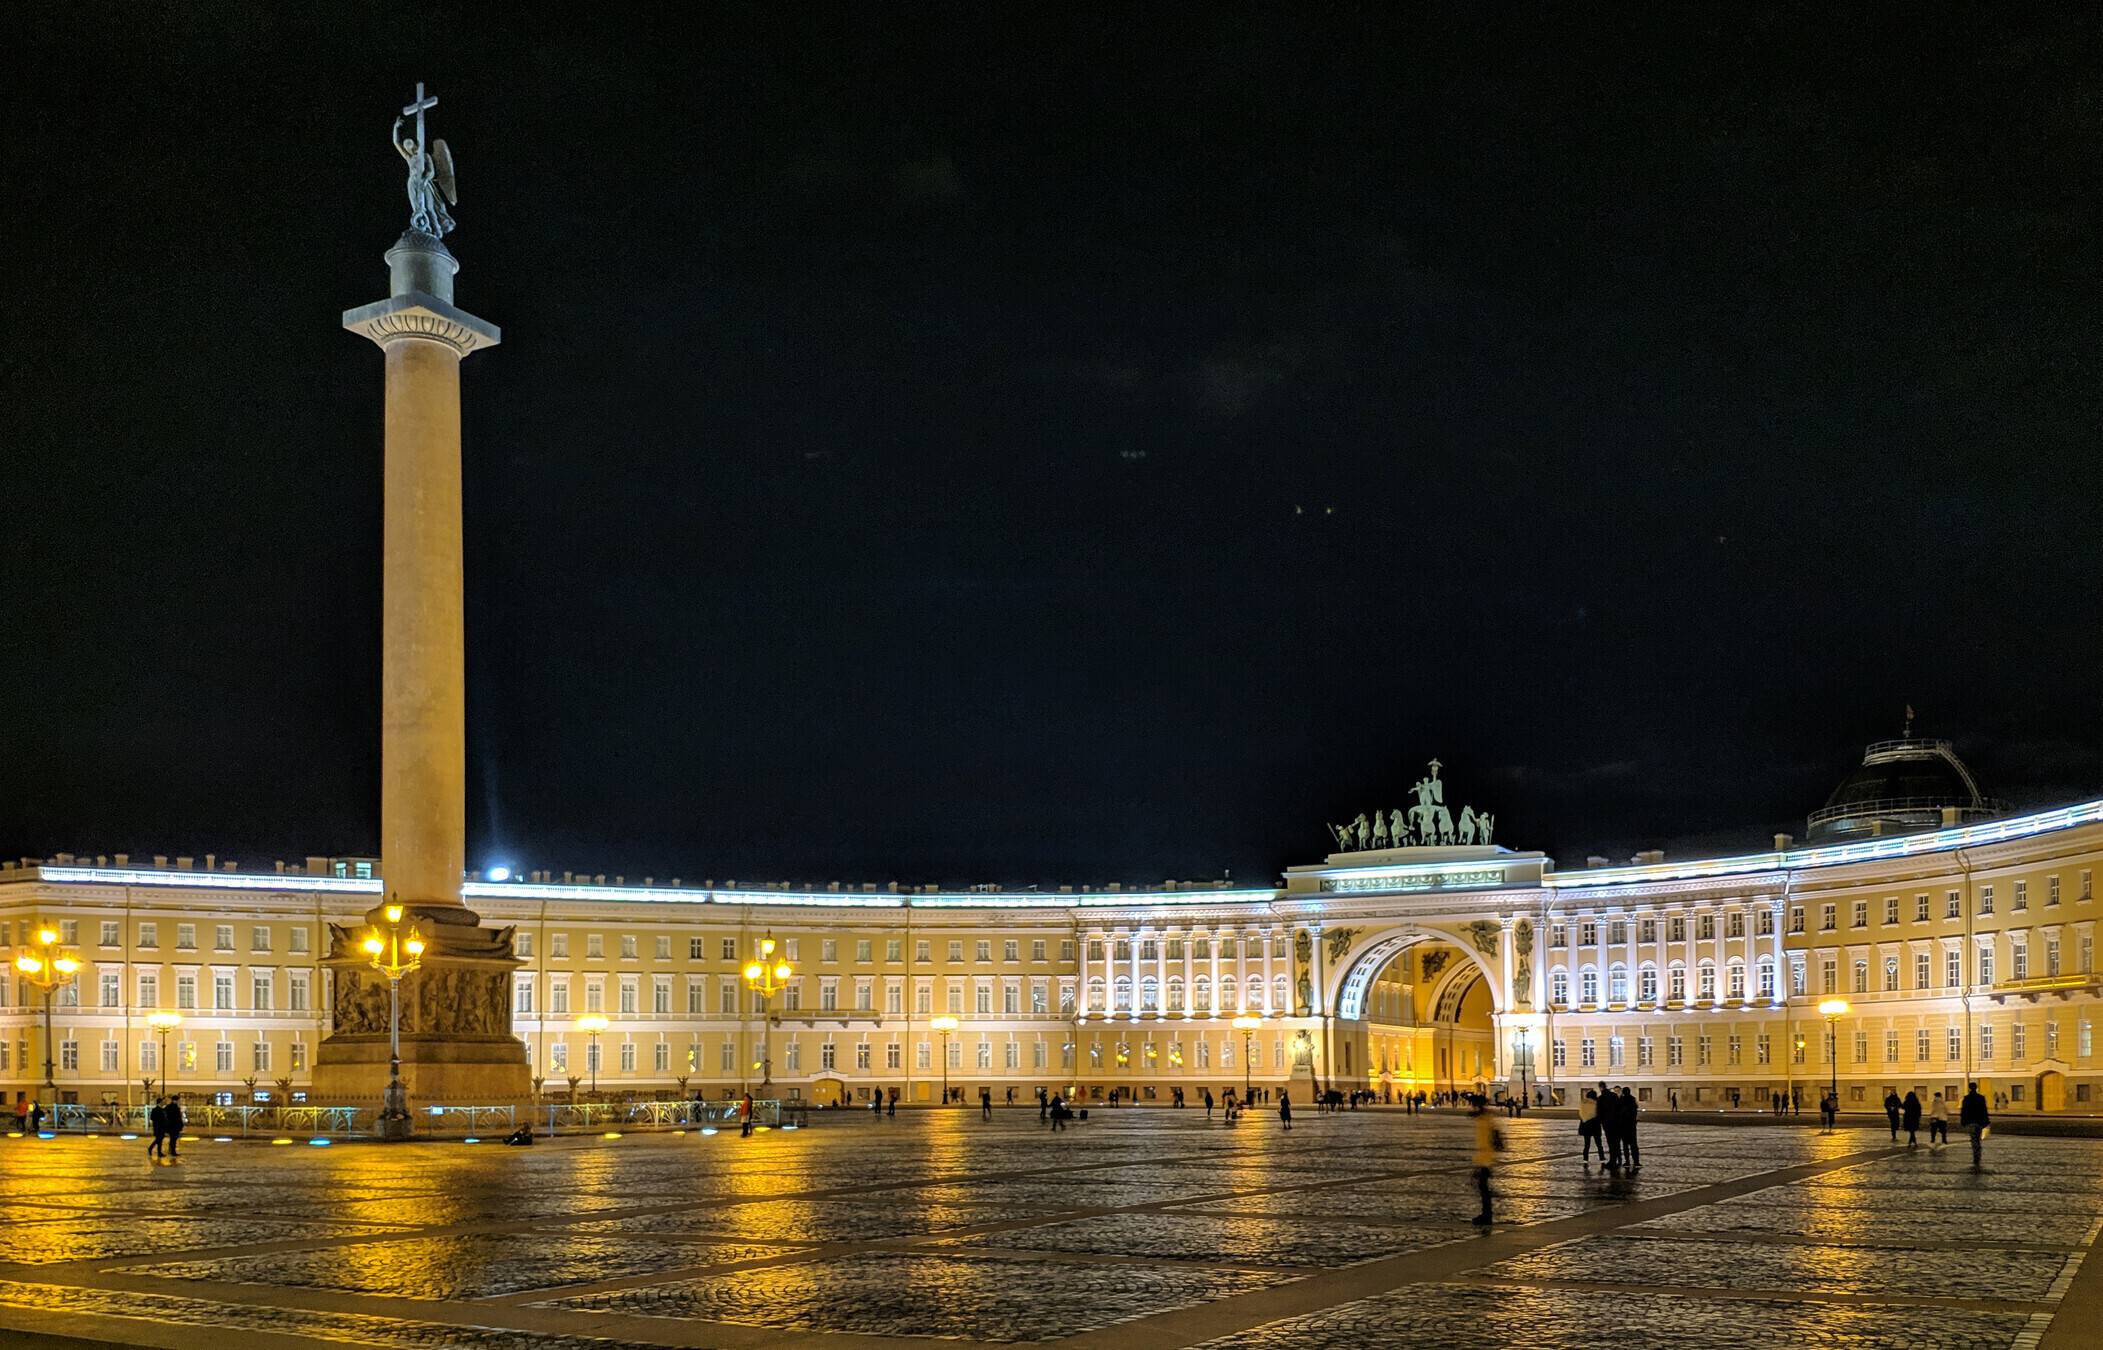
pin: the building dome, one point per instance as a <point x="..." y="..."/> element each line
<point x="1902" y="786"/>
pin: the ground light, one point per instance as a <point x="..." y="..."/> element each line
<point x="472" y="1139"/>
<point x="705" y="1130"/>
<point x="281" y="1139"/>
<point x="127" y="1136"/>
<point x="320" y="1143"/>
<point x="224" y="1139"/>
<point x="611" y="1134"/>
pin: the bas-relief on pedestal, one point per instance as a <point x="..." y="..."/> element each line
<point x="457" y="1044"/>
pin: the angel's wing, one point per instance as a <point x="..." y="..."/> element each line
<point x="442" y="167"/>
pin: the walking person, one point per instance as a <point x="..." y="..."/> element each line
<point x="985" y="1103"/>
<point x="1625" y="1114"/>
<point x="1938" y="1122"/>
<point x="876" y="1103"/>
<point x="891" y="1106"/>
<point x="1829" y="1110"/>
<point x="1909" y="1115"/>
<point x="157" y="1116"/>
<point x="745" y="1116"/>
<point x="1208" y="1103"/>
<point x="1971" y="1114"/>
<point x="1588" y="1124"/>
<point x="1285" y="1108"/>
<point x="1488" y="1143"/>
<point x="1892" y="1107"/>
<point x="172" y="1117"/>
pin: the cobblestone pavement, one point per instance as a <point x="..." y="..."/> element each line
<point x="1171" y="1229"/>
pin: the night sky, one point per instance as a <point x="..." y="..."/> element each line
<point x="935" y="446"/>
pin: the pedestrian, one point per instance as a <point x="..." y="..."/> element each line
<point x="745" y="1117"/>
<point x="1910" y="1109"/>
<point x="1625" y="1115"/>
<point x="891" y="1106"/>
<point x="1829" y="1110"/>
<point x="1938" y="1122"/>
<point x="157" y="1116"/>
<point x="1285" y="1108"/>
<point x="1588" y="1123"/>
<point x="876" y="1103"/>
<point x="173" y="1119"/>
<point x="1971" y="1114"/>
<point x="1208" y="1103"/>
<point x="985" y="1103"/>
<point x="1892" y="1108"/>
<point x="1057" y="1109"/>
<point x="1488" y="1143"/>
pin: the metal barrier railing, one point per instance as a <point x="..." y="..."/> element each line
<point x="349" y="1122"/>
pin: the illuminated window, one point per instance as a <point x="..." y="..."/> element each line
<point x="2022" y="895"/>
<point x="1011" y="950"/>
<point x="661" y="947"/>
<point x="559" y="945"/>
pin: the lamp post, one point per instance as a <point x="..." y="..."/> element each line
<point x="394" y="956"/>
<point x="1524" y="1061"/>
<point x="50" y="968"/>
<point x="591" y="1024"/>
<point x="944" y="1024"/>
<point x="164" y="1022"/>
<point x="1833" y="1009"/>
<point x="764" y="977"/>
<point x="1248" y="1027"/>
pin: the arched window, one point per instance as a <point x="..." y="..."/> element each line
<point x="1201" y="994"/>
<point x="1647" y="984"/>
<point x="1737" y="981"/>
<point x="1281" y="995"/>
<point x="1175" y="993"/>
<point x="1617" y="984"/>
<point x="1559" y="987"/>
<point x="1588" y="986"/>
<point x="1095" y="994"/>
<point x="1707" y="986"/>
<point x="1149" y="995"/>
<point x="1228" y="994"/>
<point x="1123" y="992"/>
<point x="1767" y="978"/>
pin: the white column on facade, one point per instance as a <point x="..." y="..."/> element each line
<point x="1212" y="936"/>
<point x="1270" y="940"/>
<point x="1189" y="974"/>
<point x="1135" y="935"/>
<point x="1161" y="970"/>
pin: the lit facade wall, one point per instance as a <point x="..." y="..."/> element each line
<point x="1963" y="953"/>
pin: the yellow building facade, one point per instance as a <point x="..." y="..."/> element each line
<point x="1962" y="952"/>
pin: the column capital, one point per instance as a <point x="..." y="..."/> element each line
<point x="417" y="316"/>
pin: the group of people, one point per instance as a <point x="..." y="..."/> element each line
<point x="1904" y="1113"/>
<point x="1606" y="1120"/>
<point x="166" y="1118"/>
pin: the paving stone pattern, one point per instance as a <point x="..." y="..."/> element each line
<point x="1161" y="1224"/>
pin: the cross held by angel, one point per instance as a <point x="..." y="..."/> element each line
<point x="431" y="182"/>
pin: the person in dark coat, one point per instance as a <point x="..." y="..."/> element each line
<point x="1285" y="1108"/>
<point x="1972" y="1117"/>
<point x="173" y="1119"/>
<point x="1891" y="1111"/>
<point x="157" y="1116"/>
<point x="1625" y="1112"/>
<point x="1909" y="1114"/>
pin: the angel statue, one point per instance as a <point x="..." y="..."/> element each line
<point x="430" y="171"/>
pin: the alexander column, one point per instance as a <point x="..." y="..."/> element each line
<point x="454" y="1001"/>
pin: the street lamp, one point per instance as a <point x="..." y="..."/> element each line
<point x="1833" y="1009"/>
<point x="944" y="1024"/>
<point x="394" y="956"/>
<point x="164" y="1022"/>
<point x="1524" y="1060"/>
<point x="591" y="1024"/>
<point x="765" y="977"/>
<point x="50" y="968"/>
<point x="1248" y="1027"/>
